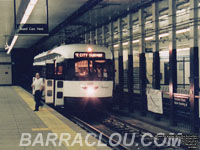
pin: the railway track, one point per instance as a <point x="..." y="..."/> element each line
<point x="104" y="124"/>
<point x="105" y="138"/>
<point x="90" y="128"/>
<point x="185" y="144"/>
<point x="124" y="127"/>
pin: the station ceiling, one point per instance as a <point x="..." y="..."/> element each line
<point x="65" y="18"/>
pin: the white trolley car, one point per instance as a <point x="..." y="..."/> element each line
<point x="78" y="73"/>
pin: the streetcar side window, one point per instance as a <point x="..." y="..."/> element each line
<point x="50" y="71"/>
<point x="59" y="71"/>
<point x="69" y="69"/>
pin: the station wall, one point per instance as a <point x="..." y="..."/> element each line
<point x="5" y="69"/>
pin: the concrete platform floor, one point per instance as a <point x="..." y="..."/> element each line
<point x="17" y="117"/>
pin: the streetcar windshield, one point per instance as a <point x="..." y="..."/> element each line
<point x="89" y="70"/>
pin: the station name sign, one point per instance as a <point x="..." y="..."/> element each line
<point x="89" y="55"/>
<point x="32" y="29"/>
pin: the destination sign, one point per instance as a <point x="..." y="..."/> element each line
<point x="32" y="29"/>
<point x="89" y="55"/>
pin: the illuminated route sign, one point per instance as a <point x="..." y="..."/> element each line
<point x="89" y="55"/>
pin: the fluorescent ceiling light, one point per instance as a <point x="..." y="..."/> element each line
<point x="28" y="11"/>
<point x="25" y="17"/>
<point x="166" y="52"/>
<point x="164" y="16"/>
<point x="33" y="2"/>
<point x="148" y="38"/>
<point x="136" y="41"/>
<point x="182" y="31"/>
<point x="177" y="32"/>
<point x="126" y="43"/>
<point x="163" y="35"/>
<point x="116" y="45"/>
<point x="12" y="44"/>
<point x="160" y="36"/>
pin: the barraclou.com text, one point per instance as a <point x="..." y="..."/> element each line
<point x="127" y="140"/>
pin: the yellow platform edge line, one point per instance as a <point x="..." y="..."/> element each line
<point x="40" y="129"/>
<point x="51" y="121"/>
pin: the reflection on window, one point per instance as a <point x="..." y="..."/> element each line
<point x="81" y="68"/>
<point x="93" y="70"/>
<point x="60" y="70"/>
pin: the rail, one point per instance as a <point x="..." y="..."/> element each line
<point x="105" y="138"/>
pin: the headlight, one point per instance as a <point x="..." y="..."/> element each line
<point x="90" y="90"/>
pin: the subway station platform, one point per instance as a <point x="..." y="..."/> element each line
<point x="17" y="117"/>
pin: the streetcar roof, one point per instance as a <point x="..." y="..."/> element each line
<point x="67" y="51"/>
<point x="41" y="55"/>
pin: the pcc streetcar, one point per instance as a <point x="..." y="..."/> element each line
<point x="76" y="73"/>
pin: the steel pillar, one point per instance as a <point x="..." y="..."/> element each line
<point x="194" y="66"/>
<point x="142" y="62"/>
<point x="111" y="33"/>
<point x="172" y="60"/>
<point x="121" y="68"/>
<point x="156" y="56"/>
<point x="130" y="62"/>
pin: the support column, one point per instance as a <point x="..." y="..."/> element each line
<point x="111" y="33"/>
<point x="172" y="59"/>
<point x="156" y="56"/>
<point x="121" y="68"/>
<point x="130" y="63"/>
<point x="97" y="36"/>
<point x="143" y="78"/>
<point x="103" y="36"/>
<point x="194" y="66"/>
<point x="91" y="38"/>
<point x="111" y="30"/>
